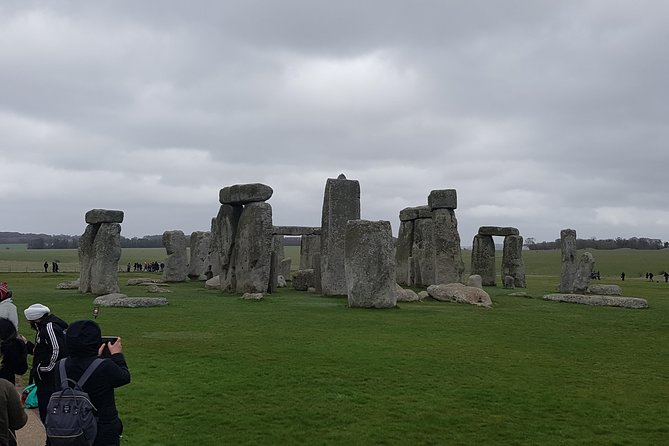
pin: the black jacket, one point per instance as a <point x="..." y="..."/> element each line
<point x="49" y="347"/>
<point x="112" y="373"/>
<point x="13" y="351"/>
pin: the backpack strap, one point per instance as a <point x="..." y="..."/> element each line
<point x="89" y="371"/>
<point x="63" y="376"/>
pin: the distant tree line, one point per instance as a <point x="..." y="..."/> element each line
<point x="593" y="243"/>
<point x="44" y="241"/>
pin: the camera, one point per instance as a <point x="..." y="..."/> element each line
<point x="108" y="339"/>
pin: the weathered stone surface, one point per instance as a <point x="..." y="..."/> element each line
<point x="605" y="290"/>
<point x="200" y="244"/>
<point x="568" y="271"/>
<point x="403" y="252"/>
<point x="584" y="269"/>
<point x="424" y="211"/>
<point x="310" y="245"/>
<point x="421" y="267"/>
<point x="280" y="281"/>
<point x="95" y="216"/>
<point x="106" y="254"/>
<point x="253" y="248"/>
<point x="277" y="258"/>
<point x="498" y="231"/>
<point x="609" y="301"/>
<point x="242" y="194"/>
<point x="457" y="292"/>
<point x="509" y="282"/>
<point x="303" y="279"/>
<point x="405" y="295"/>
<point x="213" y="284"/>
<point x="296" y="230"/>
<point x="423" y="295"/>
<point x="157" y="289"/>
<point x="284" y="268"/>
<point x="448" y="264"/>
<point x="224" y="233"/>
<point x="143" y="281"/>
<point x="121" y="300"/>
<point x="341" y="203"/>
<point x="483" y="259"/>
<point x="512" y="260"/>
<point x="475" y="281"/>
<point x="176" y="263"/>
<point x="317" y="273"/>
<point x="370" y="265"/>
<point x="252" y="296"/>
<point x="408" y="214"/>
<point x="443" y="199"/>
<point x="86" y="257"/>
<point x="72" y="285"/>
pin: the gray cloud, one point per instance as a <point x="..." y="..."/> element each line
<point x="542" y="114"/>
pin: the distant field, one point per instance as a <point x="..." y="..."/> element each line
<point x="610" y="263"/>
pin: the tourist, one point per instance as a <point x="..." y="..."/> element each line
<point x="12" y="415"/>
<point x="48" y="348"/>
<point x="84" y="345"/>
<point x="666" y="277"/>
<point x="13" y="351"/>
<point x="650" y="276"/>
<point x="46" y="267"/>
<point x="7" y="307"/>
<point x="622" y="276"/>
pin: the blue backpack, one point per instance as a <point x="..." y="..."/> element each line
<point x="70" y="417"/>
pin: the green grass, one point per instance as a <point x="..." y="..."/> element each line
<point x="298" y="368"/>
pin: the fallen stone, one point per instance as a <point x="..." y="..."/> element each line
<point x="311" y="289"/>
<point x="143" y="281"/>
<point x="72" y="285"/>
<point x="520" y="294"/>
<point x="457" y="292"/>
<point x="121" y="300"/>
<point x="281" y="282"/>
<point x="605" y="290"/>
<point x="422" y="295"/>
<point x="95" y="216"/>
<point x="241" y="194"/>
<point x="214" y="283"/>
<point x="252" y="296"/>
<point x="406" y="295"/>
<point x="609" y="301"/>
<point x="152" y="288"/>
<point x="303" y="279"/>
<point x="509" y="282"/>
<point x="475" y="280"/>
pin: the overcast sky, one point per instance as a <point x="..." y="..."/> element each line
<point x="543" y="115"/>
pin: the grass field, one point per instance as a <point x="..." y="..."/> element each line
<point x="298" y="368"/>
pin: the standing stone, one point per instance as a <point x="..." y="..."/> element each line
<point x="284" y="268"/>
<point x="106" y="252"/>
<point x="86" y="257"/>
<point x="99" y="252"/>
<point x="483" y="258"/>
<point x="200" y="242"/>
<point x="512" y="260"/>
<point x="475" y="281"/>
<point x="214" y="257"/>
<point x="253" y="248"/>
<point x="341" y="203"/>
<point x="586" y="264"/>
<point x="370" y="265"/>
<point x="310" y="245"/>
<point x="277" y="257"/>
<point x="176" y="261"/>
<point x="403" y="251"/>
<point x="422" y="252"/>
<point x="227" y="226"/>
<point x="317" y="273"/>
<point x="448" y="264"/>
<point x="568" y="272"/>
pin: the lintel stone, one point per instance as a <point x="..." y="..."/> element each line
<point x="240" y="194"/>
<point x="443" y="199"/>
<point x="498" y="231"/>
<point x="95" y="216"/>
<point x="296" y="230"/>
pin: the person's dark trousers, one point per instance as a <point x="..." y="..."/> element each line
<point x="43" y="394"/>
<point x="109" y="434"/>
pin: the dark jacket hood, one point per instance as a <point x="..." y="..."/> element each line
<point x="83" y="338"/>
